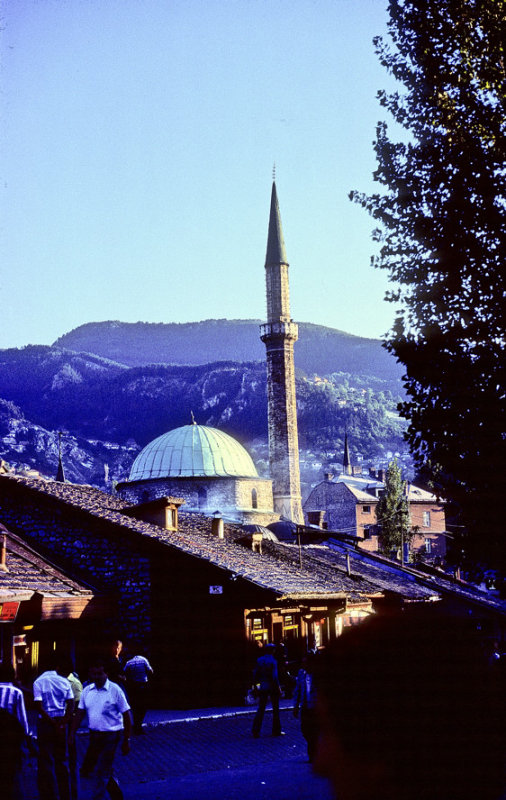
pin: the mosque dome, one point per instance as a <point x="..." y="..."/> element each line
<point x="193" y="451"/>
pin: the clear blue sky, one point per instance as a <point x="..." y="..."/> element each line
<point x="137" y="141"/>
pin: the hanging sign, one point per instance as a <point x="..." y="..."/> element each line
<point x="8" y="611"/>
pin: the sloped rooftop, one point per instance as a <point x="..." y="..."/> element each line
<point x="323" y="572"/>
<point x="365" y="488"/>
<point x="195" y="538"/>
<point x="28" y="572"/>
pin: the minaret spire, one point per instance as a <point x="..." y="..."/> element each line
<point x="279" y="335"/>
<point x="346" y="457"/>
<point x="60" y="473"/>
<point x="276" y="253"/>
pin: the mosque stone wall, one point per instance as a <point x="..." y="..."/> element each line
<point x="248" y="490"/>
<point x="232" y="497"/>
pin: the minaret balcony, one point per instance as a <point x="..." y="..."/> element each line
<point x="280" y="330"/>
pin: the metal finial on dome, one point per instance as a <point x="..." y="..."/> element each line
<point x="193" y="418"/>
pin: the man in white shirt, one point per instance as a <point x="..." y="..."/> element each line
<point x="109" y="721"/>
<point x="54" y="701"/>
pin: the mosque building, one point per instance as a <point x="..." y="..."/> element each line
<point x="208" y="469"/>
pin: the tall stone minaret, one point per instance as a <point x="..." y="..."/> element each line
<point x="279" y="335"/>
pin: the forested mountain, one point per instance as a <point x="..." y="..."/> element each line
<point x="108" y="410"/>
<point x="319" y="349"/>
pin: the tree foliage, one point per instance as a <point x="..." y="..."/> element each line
<point x="392" y="512"/>
<point x="442" y="228"/>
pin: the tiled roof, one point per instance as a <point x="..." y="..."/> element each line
<point x="28" y="572"/>
<point x="378" y="579"/>
<point x="364" y="488"/>
<point x="360" y="494"/>
<point x="323" y="572"/>
<point x="195" y="538"/>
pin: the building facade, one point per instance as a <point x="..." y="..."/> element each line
<point x="347" y="504"/>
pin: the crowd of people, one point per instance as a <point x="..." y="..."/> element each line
<point x="112" y="700"/>
<point x="401" y="707"/>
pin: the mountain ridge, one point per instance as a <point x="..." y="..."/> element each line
<point x="319" y="350"/>
<point x="108" y="409"/>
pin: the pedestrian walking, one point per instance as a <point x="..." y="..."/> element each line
<point x="108" y="712"/>
<point x="12" y="737"/>
<point x="67" y="670"/>
<point x="305" y="702"/>
<point x="53" y="698"/>
<point x="113" y="663"/>
<point x="11" y="697"/>
<point x="266" y="680"/>
<point x="14" y="733"/>
<point x="138" y="671"/>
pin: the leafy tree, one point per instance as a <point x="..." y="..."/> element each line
<point x="442" y="218"/>
<point x="392" y="512"/>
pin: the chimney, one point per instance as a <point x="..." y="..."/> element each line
<point x="256" y="542"/>
<point x="3" y="555"/>
<point x="328" y="476"/>
<point x="217" y="527"/>
<point x="316" y="518"/>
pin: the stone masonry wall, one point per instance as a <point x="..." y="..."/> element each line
<point x="230" y="496"/>
<point x="282" y="420"/>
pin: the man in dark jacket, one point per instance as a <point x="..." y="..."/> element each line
<point x="266" y="680"/>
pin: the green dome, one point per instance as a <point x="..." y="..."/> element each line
<point x="193" y="451"/>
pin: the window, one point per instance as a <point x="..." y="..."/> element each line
<point x="428" y="546"/>
<point x="426" y="519"/>
<point x="254" y="498"/>
<point x="366" y="509"/>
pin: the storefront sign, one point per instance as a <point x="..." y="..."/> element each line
<point x="8" y="611"/>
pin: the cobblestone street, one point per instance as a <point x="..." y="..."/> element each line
<point x="211" y="758"/>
